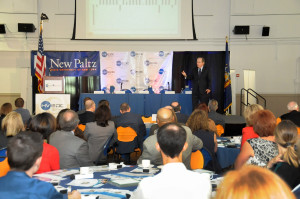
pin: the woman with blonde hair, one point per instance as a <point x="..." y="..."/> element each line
<point x="253" y="182"/>
<point x="12" y="124"/>
<point x="248" y="132"/>
<point x="286" y="164"/>
<point x="259" y="151"/>
<point x="5" y="109"/>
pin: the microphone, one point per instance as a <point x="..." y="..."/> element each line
<point x="168" y="86"/>
<point x="121" y="85"/>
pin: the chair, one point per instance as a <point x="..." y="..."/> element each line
<point x="81" y="127"/>
<point x="127" y="141"/>
<point x="2" y="154"/>
<point x="220" y="130"/>
<point x="147" y="119"/>
<point x="278" y="120"/>
<point x="4" y="167"/>
<point x="200" y="159"/>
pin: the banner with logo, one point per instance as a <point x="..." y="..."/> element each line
<point x="136" y="70"/>
<point x="69" y="63"/>
<point x="51" y="103"/>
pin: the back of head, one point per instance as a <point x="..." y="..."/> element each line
<point x="89" y="105"/>
<point x="213" y="105"/>
<point x="297" y="148"/>
<point x="19" y="102"/>
<point x="164" y="115"/>
<point x="102" y="115"/>
<point x="124" y="107"/>
<point x="264" y="123"/>
<point x="202" y="106"/>
<point x="103" y="102"/>
<point x="292" y="106"/>
<point x="43" y="123"/>
<point x="198" y="120"/>
<point x="253" y="182"/>
<point x="59" y="115"/>
<point x="171" y="139"/>
<point x="68" y="121"/>
<point x="86" y="99"/>
<point x="24" y="149"/>
<point x="6" y="108"/>
<point x="12" y="123"/>
<point x="249" y="111"/>
<point x="176" y="106"/>
<point x="286" y="136"/>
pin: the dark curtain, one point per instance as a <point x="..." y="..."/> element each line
<point x="74" y="86"/>
<point x="186" y="61"/>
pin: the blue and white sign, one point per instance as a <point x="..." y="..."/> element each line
<point x="51" y="103"/>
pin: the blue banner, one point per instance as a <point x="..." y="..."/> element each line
<point x="69" y="63"/>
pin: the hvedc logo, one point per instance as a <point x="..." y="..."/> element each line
<point x="147" y="80"/>
<point x="161" y="71"/>
<point x="161" y="53"/>
<point x="147" y="63"/>
<point x="104" y="54"/>
<point x="104" y="72"/>
<point x="45" y="105"/>
<point x="118" y="63"/>
<point x="119" y="81"/>
<point x="132" y="54"/>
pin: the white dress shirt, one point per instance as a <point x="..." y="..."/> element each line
<point x="174" y="181"/>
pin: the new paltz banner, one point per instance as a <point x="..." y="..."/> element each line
<point x="69" y="63"/>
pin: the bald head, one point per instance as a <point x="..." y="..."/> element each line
<point x="164" y="115"/>
<point x="293" y="106"/>
<point x="90" y="105"/>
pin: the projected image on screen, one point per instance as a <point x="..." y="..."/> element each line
<point x="133" y="19"/>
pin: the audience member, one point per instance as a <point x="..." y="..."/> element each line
<point x="181" y="117"/>
<point x="293" y="114"/>
<point x="174" y="181"/>
<point x="88" y="115"/>
<point x="73" y="151"/>
<point x="5" y="109"/>
<point x="103" y="102"/>
<point x="129" y="119"/>
<point x="259" y="151"/>
<point x="211" y="123"/>
<point x="286" y="164"/>
<point x="99" y="131"/>
<point x="12" y="124"/>
<point x="253" y="182"/>
<point x="84" y="100"/>
<point x="165" y="116"/>
<point x="248" y="132"/>
<point x="218" y="118"/>
<point x="198" y="123"/>
<point x="45" y="124"/>
<point x="24" y="153"/>
<point x="78" y="132"/>
<point x="26" y="117"/>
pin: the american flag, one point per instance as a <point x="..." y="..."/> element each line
<point x="40" y="62"/>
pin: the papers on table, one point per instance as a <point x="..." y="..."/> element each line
<point x="57" y="175"/>
<point x="88" y="182"/>
<point x="105" y="193"/>
<point x="124" y="182"/>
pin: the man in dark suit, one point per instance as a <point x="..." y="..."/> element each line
<point x="181" y="118"/>
<point x="73" y="151"/>
<point x="293" y="114"/>
<point x="88" y="115"/>
<point x="129" y="119"/>
<point x="201" y="79"/>
<point x="216" y="117"/>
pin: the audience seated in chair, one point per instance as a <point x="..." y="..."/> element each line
<point x="99" y="131"/>
<point x="174" y="181"/>
<point x="12" y="124"/>
<point x="25" y="114"/>
<point x="84" y="100"/>
<point x="165" y="116"/>
<point x="181" y="117"/>
<point x="5" y="109"/>
<point x="248" y="132"/>
<point x="287" y="164"/>
<point x="293" y="114"/>
<point x="218" y="118"/>
<point x="259" y="151"/>
<point x="88" y="115"/>
<point x="24" y="153"/>
<point x="45" y="124"/>
<point x="133" y="120"/>
<point x="253" y="182"/>
<point x="73" y="151"/>
<point x="211" y="123"/>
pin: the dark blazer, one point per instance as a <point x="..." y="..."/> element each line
<point x="217" y="118"/>
<point x="86" y="117"/>
<point x="73" y="151"/>
<point x="200" y="84"/>
<point x="294" y="116"/>
<point x="134" y="121"/>
<point x="182" y="118"/>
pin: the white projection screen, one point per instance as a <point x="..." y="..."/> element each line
<point x="133" y="19"/>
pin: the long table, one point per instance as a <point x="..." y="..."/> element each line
<point x="143" y="104"/>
